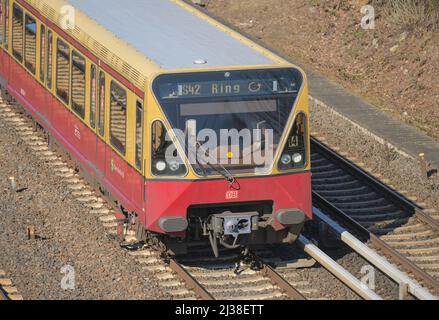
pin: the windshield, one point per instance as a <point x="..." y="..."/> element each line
<point x="231" y="120"/>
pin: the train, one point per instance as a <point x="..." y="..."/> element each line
<point x="195" y="132"/>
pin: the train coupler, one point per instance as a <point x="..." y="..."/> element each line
<point x="225" y="229"/>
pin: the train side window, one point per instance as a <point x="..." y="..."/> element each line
<point x="49" y="56"/>
<point x="6" y="22"/>
<point x="2" y="25"/>
<point x="30" y="40"/>
<point x="63" y="71"/>
<point x="101" y="105"/>
<point x="93" y="95"/>
<point x="78" y="84"/>
<point x="296" y="146"/>
<point x="160" y="146"/>
<point x="17" y="33"/>
<point x="139" y="134"/>
<point x="118" y="117"/>
<point x="42" y="52"/>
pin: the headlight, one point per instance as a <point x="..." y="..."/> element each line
<point x="160" y="166"/>
<point x="297" y="158"/>
<point x="174" y="166"/>
<point x="285" y="159"/>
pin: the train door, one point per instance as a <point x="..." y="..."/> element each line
<point x="49" y="98"/>
<point x="2" y="31"/>
<point x="4" y="41"/>
<point x="42" y="96"/>
<point x="138" y="150"/>
<point x="101" y="132"/>
<point x="93" y="102"/>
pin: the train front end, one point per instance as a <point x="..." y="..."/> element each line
<point x="229" y="158"/>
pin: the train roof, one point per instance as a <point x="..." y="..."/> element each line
<point x="171" y="36"/>
<point x="142" y="38"/>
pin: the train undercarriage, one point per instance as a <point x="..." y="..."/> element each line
<point x="234" y="226"/>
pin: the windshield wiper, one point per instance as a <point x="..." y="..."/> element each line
<point x="200" y="165"/>
<point x="225" y="173"/>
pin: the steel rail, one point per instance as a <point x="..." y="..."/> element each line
<point x="338" y="271"/>
<point x="380" y="262"/>
<point x="190" y="281"/>
<point x="283" y="284"/>
<point x="3" y="295"/>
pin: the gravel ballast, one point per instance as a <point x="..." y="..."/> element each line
<point x="68" y="235"/>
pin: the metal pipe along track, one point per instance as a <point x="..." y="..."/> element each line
<point x="391" y="223"/>
<point x="377" y="260"/>
<point x="338" y="271"/>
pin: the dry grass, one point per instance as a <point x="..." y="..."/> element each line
<point x="410" y="14"/>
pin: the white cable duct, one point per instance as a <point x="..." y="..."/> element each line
<point x="345" y="276"/>
<point x="378" y="261"/>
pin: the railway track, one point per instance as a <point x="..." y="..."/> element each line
<point x="7" y="289"/>
<point x="201" y="276"/>
<point x="231" y="278"/>
<point x="267" y="274"/>
<point x="181" y="279"/>
<point x="97" y="206"/>
<point x="191" y="277"/>
<point x="394" y="225"/>
<point x="263" y="275"/>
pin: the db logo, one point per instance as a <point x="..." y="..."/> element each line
<point x="231" y="195"/>
<point x="77" y="133"/>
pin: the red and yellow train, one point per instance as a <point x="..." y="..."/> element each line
<point x="123" y="86"/>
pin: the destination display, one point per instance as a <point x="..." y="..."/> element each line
<point x="228" y="88"/>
